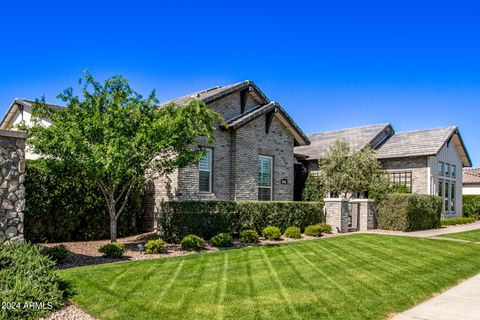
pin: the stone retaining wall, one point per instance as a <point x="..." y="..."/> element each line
<point x="12" y="191"/>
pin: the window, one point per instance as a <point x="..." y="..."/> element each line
<point x="447" y="170"/>
<point x="446" y="196"/>
<point x="205" y="172"/>
<point x="265" y="169"/>
<point x="452" y="197"/>
<point x="401" y="178"/>
<point x="454" y="171"/>
<point x="440" y="188"/>
<point x="440" y="168"/>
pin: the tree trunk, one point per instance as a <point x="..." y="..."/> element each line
<point x="113" y="229"/>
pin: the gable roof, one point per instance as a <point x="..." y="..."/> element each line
<point x="18" y="103"/>
<point x="215" y="93"/>
<point x="358" y="138"/>
<point x="427" y="142"/>
<point x="300" y="138"/>
<point x="471" y="176"/>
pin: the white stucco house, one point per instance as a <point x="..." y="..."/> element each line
<point x="471" y="181"/>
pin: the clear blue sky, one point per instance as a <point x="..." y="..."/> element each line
<point x="330" y="64"/>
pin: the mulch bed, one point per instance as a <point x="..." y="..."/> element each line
<point x="84" y="253"/>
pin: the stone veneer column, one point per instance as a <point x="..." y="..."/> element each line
<point x="12" y="191"/>
<point x="367" y="218"/>
<point x="336" y="213"/>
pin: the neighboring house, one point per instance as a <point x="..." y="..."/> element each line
<point x="20" y="111"/>
<point x="426" y="161"/>
<point x="471" y="181"/>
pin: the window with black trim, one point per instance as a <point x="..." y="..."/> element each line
<point x="205" y="172"/>
<point x="401" y="178"/>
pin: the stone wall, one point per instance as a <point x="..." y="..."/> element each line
<point x="12" y="191"/>
<point x="339" y="210"/>
<point x="336" y="214"/>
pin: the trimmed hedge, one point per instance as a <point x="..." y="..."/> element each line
<point x="271" y="233"/>
<point x="471" y="206"/>
<point x="64" y="204"/>
<point x="293" y="233"/>
<point x="208" y="218"/>
<point x="112" y="250"/>
<point x="409" y="212"/>
<point x="222" y="240"/>
<point x="192" y="242"/>
<point x="155" y="246"/>
<point x="454" y="221"/>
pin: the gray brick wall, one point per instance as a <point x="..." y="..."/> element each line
<point x="417" y="165"/>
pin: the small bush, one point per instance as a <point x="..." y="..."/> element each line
<point x="222" y="240"/>
<point x="249" y="236"/>
<point x="453" y="221"/>
<point x="155" y="246"/>
<point x="409" y="212"/>
<point x="325" y="228"/>
<point x="271" y="233"/>
<point x="471" y="206"/>
<point x="58" y="254"/>
<point x="293" y="233"/>
<point x="112" y="250"/>
<point x="192" y="242"/>
<point x="27" y="275"/>
<point x="313" y="230"/>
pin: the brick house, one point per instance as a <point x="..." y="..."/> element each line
<point x="426" y="161"/>
<point x="252" y="158"/>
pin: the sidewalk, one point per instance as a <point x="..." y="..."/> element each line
<point x="461" y="302"/>
<point x="431" y="232"/>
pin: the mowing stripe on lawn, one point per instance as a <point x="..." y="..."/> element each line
<point x="170" y="283"/>
<point x="223" y="287"/>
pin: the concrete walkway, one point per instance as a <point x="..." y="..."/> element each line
<point x="431" y="232"/>
<point x="461" y="302"/>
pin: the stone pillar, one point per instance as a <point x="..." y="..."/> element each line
<point x="12" y="191"/>
<point x="336" y="213"/>
<point x="367" y="218"/>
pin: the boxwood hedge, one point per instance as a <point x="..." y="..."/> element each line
<point x="471" y="206"/>
<point x="208" y="218"/>
<point x="409" y="212"/>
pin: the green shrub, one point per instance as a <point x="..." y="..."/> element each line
<point x="27" y="276"/>
<point x="222" y="240"/>
<point x="58" y="254"/>
<point x="313" y="230"/>
<point x="409" y="212"/>
<point x="271" y="233"/>
<point x="249" y="236"/>
<point x="471" y="206"/>
<point x="325" y="228"/>
<point x="192" y="242"/>
<point x="112" y="250"/>
<point x="293" y="233"/>
<point x="208" y="218"/>
<point x="453" y="221"/>
<point x="64" y="204"/>
<point x="155" y="246"/>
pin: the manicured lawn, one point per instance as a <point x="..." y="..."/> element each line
<point x="473" y="235"/>
<point x="352" y="277"/>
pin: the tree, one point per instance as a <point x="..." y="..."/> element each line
<point x="120" y="138"/>
<point x="349" y="172"/>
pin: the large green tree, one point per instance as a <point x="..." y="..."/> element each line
<point x="119" y="137"/>
<point x="346" y="172"/>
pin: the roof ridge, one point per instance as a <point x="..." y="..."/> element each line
<point x="423" y="130"/>
<point x="351" y="128"/>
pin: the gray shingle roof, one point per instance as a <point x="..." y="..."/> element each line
<point x="28" y="103"/>
<point x="415" y="143"/>
<point x="358" y="138"/>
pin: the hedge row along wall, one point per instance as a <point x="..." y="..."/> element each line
<point x="207" y="218"/>
<point x="471" y="206"/>
<point x="64" y="204"/>
<point x="409" y="212"/>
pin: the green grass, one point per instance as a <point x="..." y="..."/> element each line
<point x="353" y="277"/>
<point x="473" y="235"/>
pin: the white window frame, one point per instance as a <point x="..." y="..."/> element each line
<point x="271" y="177"/>
<point x="208" y="152"/>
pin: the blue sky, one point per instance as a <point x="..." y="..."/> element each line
<point x="331" y="64"/>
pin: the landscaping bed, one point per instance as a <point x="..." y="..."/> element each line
<point x="362" y="276"/>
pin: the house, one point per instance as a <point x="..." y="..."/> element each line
<point x="471" y="181"/>
<point x="425" y="161"/>
<point x="252" y="157"/>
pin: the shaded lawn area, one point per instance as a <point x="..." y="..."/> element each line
<point x="360" y="276"/>
<point x="473" y="235"/>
